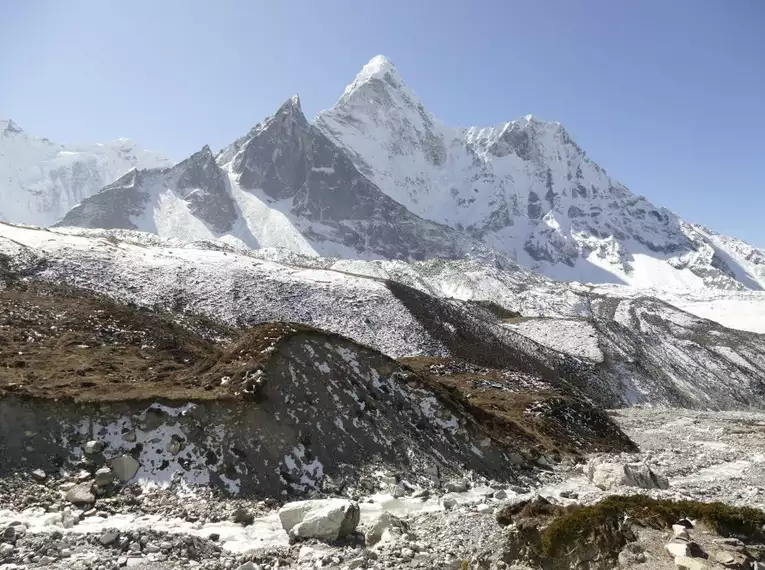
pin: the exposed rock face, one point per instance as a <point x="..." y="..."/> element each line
<point x="525" y="188"/>
<point x="284" y="184"/>
<point x="196" y="185"/>
<point x="42" y="180"/>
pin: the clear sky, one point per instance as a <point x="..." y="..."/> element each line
<point x="667" y="95"/>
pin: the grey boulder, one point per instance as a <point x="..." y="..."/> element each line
<point x="329" y="519"/>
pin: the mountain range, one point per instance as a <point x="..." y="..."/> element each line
<point x="41" y="180"/>
<point x="378" y="176"/>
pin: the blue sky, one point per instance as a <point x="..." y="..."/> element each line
<point x="667" y="95"/>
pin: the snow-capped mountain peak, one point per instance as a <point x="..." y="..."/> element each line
<point x="41" y="180"/>
<point x="379" y="68"/>
<point x="8" y="127"/>
<point x="526" y="189"/>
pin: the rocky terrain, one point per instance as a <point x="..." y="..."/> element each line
<point x="617" y="351"/>
<point x="687" y="459"/>
<point x="338" y="344"/>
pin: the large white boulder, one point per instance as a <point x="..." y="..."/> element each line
<point x="610" y="475"/>
<point x="327" y="519"/>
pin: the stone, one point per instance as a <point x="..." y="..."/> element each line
<point x="449" y="502"/>
<point x="92" y="447"/>
<point x="611" y="475"/>
<point x="379" y="525"/>
<point x="732" y="559"/>
<point x="677" y="549"/>
<point x="632" y="553"/>
<point x="328" y="519"/>
<point x="484" y="508"/>
<point x="109" y="537"/>
<point x="104" y="476"/>
<point x="10" y="535"/>
<point x="724" y="557"/>
<point x="457" y="486"/>
<point x="125" y="467"/>
<point x="5" y="550"/>
<point x="680" y="532"/>
<point x="249" y="566"/>
<point x="688" y="563"/>
<point x="81" y="494"/>
<point x="686" y="523"/>
<point x="39" y="475"/>
<point x="242" y="516"/>
<point x="151" y="548"/>
<point x="45" y="560"/>
<point x="500" y="495"/>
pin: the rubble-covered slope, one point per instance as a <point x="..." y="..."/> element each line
<point x="167" y="397"/>
<point x="528" y="190"/>
<point x="41" y="180"/>
<point x="665" y="356"/>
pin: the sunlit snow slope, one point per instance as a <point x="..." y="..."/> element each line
<point x="41" y="180"/>
<point x="527" y="189"/>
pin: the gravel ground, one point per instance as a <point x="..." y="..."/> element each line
<point x="706" y="456"/>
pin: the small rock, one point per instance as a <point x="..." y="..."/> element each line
<point x="379" y="525"/>
<point x="104" y="476"/>
<point x="92" y="447"/>
<point x="81" y="494"/>
<point x="45" y="560"/>
<point x="5" y="550"/>
<point x="39" y="475"/>
<point x="457" y="486"/>
<point x="633" y="553"/>
<point x="484" y="508"/>
<point x="249" y="566"/>
<point x="125" y="467"/>
<point x="677" y="549"/>
<point x="215" y="537"/>
<point x="242" y="516"/>
<point x="109" y="537"/>
<point x="10" y="535"/>
<point x="680" y="532"/>
<point x="688" y="563"/>
<point x="151" y="548"/>
<point x="449" y="502"/>
<point x="500" y="495"/>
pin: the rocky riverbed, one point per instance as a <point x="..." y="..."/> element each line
<point x="704" y="456"/>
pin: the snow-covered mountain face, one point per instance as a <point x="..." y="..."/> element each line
<point x="41" y="180"/>
<point x="284" y="184"/>
<point x="528" y="190"/>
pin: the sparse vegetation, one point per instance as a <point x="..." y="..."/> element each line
<point x="582" y="522"/>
